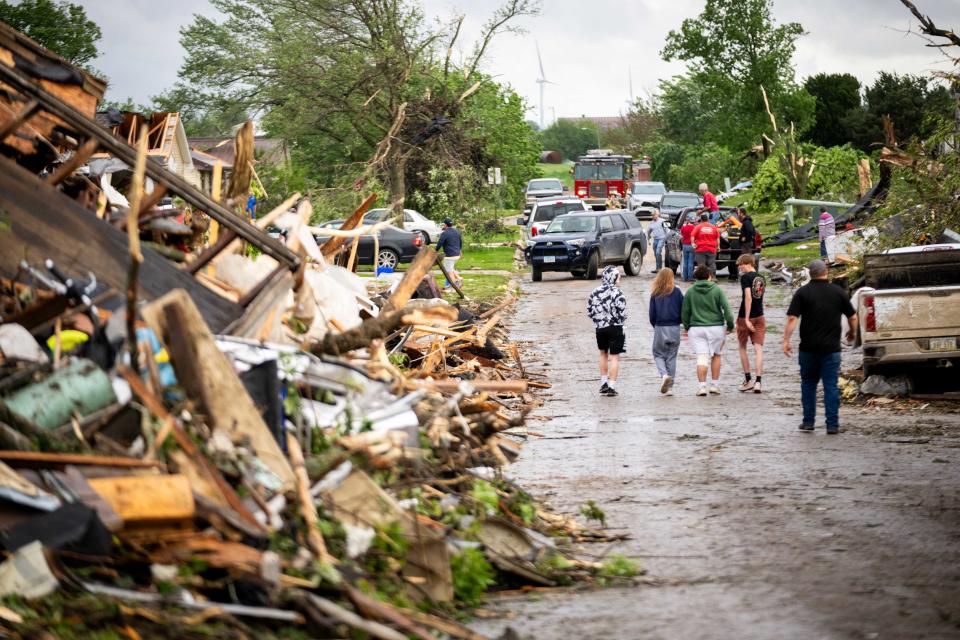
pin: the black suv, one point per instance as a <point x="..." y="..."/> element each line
<point x="581" y="243"/>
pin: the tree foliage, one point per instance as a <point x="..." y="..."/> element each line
<point x="708" y="163"/>
<point x="837" y="94"/>
<point x="640" y="126"/>
<point x="62" y="27"/>
<point x="572" y="137"/>
<point x="733" y="48"/>
<point x="914" y="104"/>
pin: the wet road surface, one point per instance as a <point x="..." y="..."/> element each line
<point x="747" y="527"/>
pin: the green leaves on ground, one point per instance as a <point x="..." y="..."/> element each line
<point x="472" y="576"/>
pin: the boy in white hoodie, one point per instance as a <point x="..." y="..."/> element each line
<point x="607" y="307"/>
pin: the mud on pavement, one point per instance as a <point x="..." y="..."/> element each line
<point x="747" y="527"/>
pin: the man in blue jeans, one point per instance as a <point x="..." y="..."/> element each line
<point x="657" y="233"/>
<point x="820" y="304"/>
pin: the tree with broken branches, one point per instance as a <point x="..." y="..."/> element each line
<point x="784" y="143"/>
<point x="362" y="83"/>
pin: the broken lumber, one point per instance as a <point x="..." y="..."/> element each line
<point x="376" y="328"/>
<point x="332" y="246"/>
<point x="420" y="266"/>
<point x="147" y="499"/>
<point x="307" y="508"/>
<point x="38" y="460"/>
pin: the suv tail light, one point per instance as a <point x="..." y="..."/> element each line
<point x="871" y="319"/>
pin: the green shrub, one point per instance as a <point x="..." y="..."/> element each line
<point x="472" y="576"/>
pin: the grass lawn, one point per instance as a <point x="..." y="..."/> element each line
<point x="499" y="258"/>
<point x="560" y="171"/>
<point x="792" y="254"/>
<point x="484" y="288"/>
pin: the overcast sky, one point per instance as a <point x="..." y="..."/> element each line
<point x="590" y="56"/>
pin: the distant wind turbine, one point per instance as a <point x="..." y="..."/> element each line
<point x="542" y="80"/>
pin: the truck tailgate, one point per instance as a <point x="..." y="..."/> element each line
<point x="921" y="311"/>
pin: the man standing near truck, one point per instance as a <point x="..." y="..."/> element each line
<point x="657" y="233"/>
<point x="820" y="304"/>
<point x="706" y="242"/>
<point x="710" y="205"/>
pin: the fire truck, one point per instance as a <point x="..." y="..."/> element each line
<point x="600" y="174"/>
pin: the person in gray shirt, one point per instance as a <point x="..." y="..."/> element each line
<point x="657" y="232"/>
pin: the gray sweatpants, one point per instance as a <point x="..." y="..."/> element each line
<point x="666" y="343"/>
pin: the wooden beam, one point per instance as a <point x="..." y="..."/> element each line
<point x="446" y="275"/>
<point x="38" y="460"/>
<point x="71" y="164"/>
<point x="332" y="246"/>
<point x="18" y="119"/>
<point x="421" y="266"/>
<point x="123" y="151"/>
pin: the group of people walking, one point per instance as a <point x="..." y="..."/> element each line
<point x="704" y="313"/>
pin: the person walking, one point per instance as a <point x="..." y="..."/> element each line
<point x="751" y="324"/>
<point x="666" y="303"/>
<point x="686" y="239"/>
<point x="607" y="307"/>
<point x="657" y="232"/>
<point x="451" y="244"/>
<point x="710" y="205"/>
<point x="819" y="306"/>
<point x="826" y="228"/>
<point x="706" y="243"/>
<point x="748" y="233"/>
<point x="707" y="317"/>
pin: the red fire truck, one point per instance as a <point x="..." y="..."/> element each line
<point x="600" y="174"/>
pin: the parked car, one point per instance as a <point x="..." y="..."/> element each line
<point x="544" y="210"/>
<point x="644" y="198"/>
<point x="909" y="309"/>
<point x="581" y="243"/>
<point x="395" y="245"/>
<point x="541" y="188"/>
<point x="413" y="221"/>
<point x="735" y="189"/>
<point x="673" y="202"/>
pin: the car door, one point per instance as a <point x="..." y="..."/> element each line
<point x="608" y="240"/>
<point x="622" y="235"/>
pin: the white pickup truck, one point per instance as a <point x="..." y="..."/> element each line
<point x="910" y="309"/>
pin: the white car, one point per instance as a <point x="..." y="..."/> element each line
<point x="413" y="221"/>
<point x="544" y="211"/>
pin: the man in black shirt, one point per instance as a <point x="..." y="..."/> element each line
<point x="821" y="305"/>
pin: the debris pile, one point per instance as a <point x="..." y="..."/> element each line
<point x="235" y="446"/>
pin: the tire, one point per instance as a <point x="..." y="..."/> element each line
<point x="536" y="275"/>
<point x="388" y="258"/>
<point x="634" y="262"/>
<point x="426" y="238"/>
<point x="593" y="264"/>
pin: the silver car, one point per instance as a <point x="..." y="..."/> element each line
<point x="544" y="211"/>
<point x="413" y="221"/>
<point x="645" y="197"/>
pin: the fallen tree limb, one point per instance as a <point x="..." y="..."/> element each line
<point x="379" y="327"/>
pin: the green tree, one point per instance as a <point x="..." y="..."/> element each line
<point x="914" y="104"/>
<point x="640" y="126"/>
<point x="663" y="156"/>
<point x="837" y="95"/>
<point x="572" y="137"/>
<point x="62" y="27"/>
<point x="708" y="163"/>
<point x="733" y="48"/>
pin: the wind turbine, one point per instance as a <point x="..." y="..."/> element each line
<point x="542" y="80"/>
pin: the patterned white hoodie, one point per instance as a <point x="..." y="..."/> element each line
<point x="607" y="306"/>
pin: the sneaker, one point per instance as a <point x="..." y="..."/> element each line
<point x="668" y="392"/>
<point x="756" y="388"/>
<point x="832" y="431"/>
<point x="604" y="388"/>
<point x="806" y="426"/>
<point x="666" y="384"/>
<point x="714" y="390"/>
<point x="611" y="392"/>
<point x="747" y="385"/>
<point x="702" y="391"/>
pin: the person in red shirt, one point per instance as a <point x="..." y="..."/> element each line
<point x="686" y="239"/>
<point x="710" y="204"/>
<point x="706" y="241"/>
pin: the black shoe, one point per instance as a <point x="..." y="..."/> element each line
<point x="604" y="388"/>
<point x="832" y="431"/>
<point x="611" y="392"/>
<point x="806" y="427"/>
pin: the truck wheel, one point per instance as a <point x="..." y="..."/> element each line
<point x="536" y="275"/>
<point x="593" y="263"/>
<point x="634" y="262"/>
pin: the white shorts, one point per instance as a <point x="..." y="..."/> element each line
<point x="707" y="340"/>
<point x="450" y="264"/>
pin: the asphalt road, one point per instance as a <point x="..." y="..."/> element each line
<point x="747" y="527"/>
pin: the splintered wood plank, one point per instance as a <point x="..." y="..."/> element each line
<point x="139" y="499"/>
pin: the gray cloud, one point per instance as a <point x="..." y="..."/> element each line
<point x="589" y="56"/>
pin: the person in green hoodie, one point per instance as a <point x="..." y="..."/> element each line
<point x="707" y="318"/>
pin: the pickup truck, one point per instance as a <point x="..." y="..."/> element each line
<point x="540" y="188"/>
<point x="909" y="309"/>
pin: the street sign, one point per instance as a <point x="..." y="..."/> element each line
<point x="494" y="176"/>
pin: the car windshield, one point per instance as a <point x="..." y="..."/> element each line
<point x="600" y="171"/>
<point x="547" y="212"/>
<point x="375" y="215"/>
<point x="679" y="201"/>
<point x="573" y="224"/>
<point x="649" y="188"/>
<point x="540" y="185"/>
